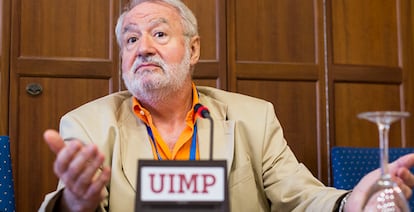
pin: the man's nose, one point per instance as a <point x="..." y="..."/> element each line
<point x="146" y="46"/>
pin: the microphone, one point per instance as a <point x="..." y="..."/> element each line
<point x="203" y="112"/>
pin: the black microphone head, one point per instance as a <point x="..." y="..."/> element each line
<point x="197" y="107"/>
<point x="201" y="110"/>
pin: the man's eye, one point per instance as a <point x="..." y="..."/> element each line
<point x="159" y="34"/>
<point x="132" y="40"/>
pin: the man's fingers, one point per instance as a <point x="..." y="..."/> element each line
<point x="84" y="167"/>
<point x="406" y="190"/>
<point x="95" y="189"/>
<point x="54" y="140"/>
<point x="406" y="161"/>
<point x="406" y="176"/>
<point x="70" y="163"/>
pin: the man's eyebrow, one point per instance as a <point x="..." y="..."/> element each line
<point x="152" y="23"/>
<point x="158" y="21"/>
<point x="129" y="27"/>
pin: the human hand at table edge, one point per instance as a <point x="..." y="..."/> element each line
<point x="400" y="173"/>
<point x="79" y="167"/>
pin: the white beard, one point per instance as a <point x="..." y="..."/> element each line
<point x="154" y="86"/>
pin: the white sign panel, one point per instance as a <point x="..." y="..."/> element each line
<point x="162" y="183"/>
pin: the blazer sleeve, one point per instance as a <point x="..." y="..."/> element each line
<point x="288" y="184"/>
<point x="69" y="127"/>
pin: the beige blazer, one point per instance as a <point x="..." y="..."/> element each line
<point x="263" y="173"/>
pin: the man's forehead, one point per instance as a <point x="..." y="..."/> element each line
<point x="150" y="14"/>
<point x="134" y="26"/>
<point x="153" y="8"/>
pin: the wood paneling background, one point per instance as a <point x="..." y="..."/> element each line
<point x="319" y="62"/>
<point x="212" y="67"/>
<point x="68" y="49"/>
<point x="277" y="53"/>
<point x="370" y="68"/>
<point x="4" y="65"/>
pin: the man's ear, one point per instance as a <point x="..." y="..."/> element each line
<point x="195" y="49"/>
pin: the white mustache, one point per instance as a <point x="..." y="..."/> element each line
<point x="148" y="60"/>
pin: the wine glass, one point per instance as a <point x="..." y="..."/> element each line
<point x="384" y="195"/>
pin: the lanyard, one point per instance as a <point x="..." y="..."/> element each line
<point x="193" y="142"/>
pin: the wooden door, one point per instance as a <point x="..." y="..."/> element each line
<point x="321" y="63"/>
<point x="212" y="67"/>
<point x="276" y="53"/>
<point x="66" y="50"/>
<point x="371" y="68"/>
<point x="4" y="64"/>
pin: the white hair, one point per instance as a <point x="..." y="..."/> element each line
<point x="188" y="20"/>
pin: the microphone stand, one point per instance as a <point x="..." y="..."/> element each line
<point x="211" y="136"/>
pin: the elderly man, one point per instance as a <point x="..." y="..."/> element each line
<point x="155" y="119"/>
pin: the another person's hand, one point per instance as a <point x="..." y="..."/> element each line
<point x="400" y="173"/>
<point x="79" y="167"/>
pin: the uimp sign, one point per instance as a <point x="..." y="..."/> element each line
<point x="169" y="184"/>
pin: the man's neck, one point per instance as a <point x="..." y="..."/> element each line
<point x="169" y="115"/>
<point x="172" y="108"/>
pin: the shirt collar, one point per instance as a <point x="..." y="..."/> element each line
<point x="145" y="115"/>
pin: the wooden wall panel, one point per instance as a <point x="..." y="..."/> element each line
<point x="361" y="37"/>
<point x="366" y="46"/>
<point x="367" y="67"/>
<point x="2" y="19"/>
<point x="206" y="82"/>
<point x="4" y="65"/>
<point x="207" y="17"/>
<point x="275" y="52"/>
<point x="370" y="51"/>
<point x="34" y="173"/>
<point x="69" y="48"/>
<point x="65" y="28"/>
<point x="3" y="69"/>
<point x="65" y="38"/>
<point x="354" y="98"/>
<point x="289" y="35"/>
<point x="296" y="107"/>
<point x="407" y="30"/>
<point x="211" y="16"/>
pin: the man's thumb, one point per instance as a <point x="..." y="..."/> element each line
<point x="54" y="140"/>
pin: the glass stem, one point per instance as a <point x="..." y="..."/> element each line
<point x="383" y="138"/>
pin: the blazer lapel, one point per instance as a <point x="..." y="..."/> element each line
<point x="134" y="145"/>
<point x="223" y="138"/>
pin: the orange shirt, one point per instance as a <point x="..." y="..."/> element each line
<point x="182" y="147"/>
